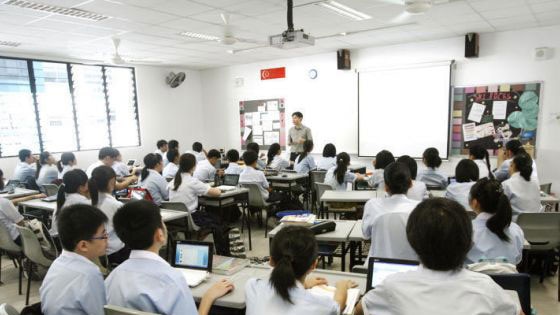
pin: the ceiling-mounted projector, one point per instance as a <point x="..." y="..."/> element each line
<point x="417" y="6"/>
<point x="291" y="39"/>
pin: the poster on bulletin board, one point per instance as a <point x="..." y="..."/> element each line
<point x="492" y="115"/>
<point x="263" y="122"/>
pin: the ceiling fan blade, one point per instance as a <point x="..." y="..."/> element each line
<point x="397" y="2"/>
<point x="403" y="17"/>
<point x="225" y="18"/>
<point x="235" y="51"/>
<point x="386" y="27"/>
<point x="250" y="41"/>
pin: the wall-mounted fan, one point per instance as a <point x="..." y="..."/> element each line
<point x="175" y="79"/>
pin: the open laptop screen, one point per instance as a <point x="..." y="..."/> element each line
<point x="193" y="255"/>
<point x="231" y="179"/>
<point x="381" y="268"/>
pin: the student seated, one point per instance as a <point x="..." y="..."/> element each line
<point x="121" y="169"/>
<point x="46" y="169"/>
<point x="151" y="179"/>
<point x="9" y="215"/>
<point x="173" y="145"/>
<point x="261" y="161"/>
<point x="466" y="175"/>
<point x="205" y="170"/>
<point x="513" y="148"/>
<point x="305" y="162"/>
<point x="107" y="156"/>
<point x="293" y="255"/>
<point x="522" y="189"/>
<point x="172" y="167"/>
<point x="74" y="190"/>
<point x="198" y="151"/>
<point x="67" y="163"/>
<point x="251" y="175"/>
<point x="440" y="232"/>
<point x="233" y="157"/>
<point x="339" y="176"/>
<point x="102" y="184"/>
<point x="74" y="285"/>
<point x="275" y="160"/>
<point x="385" y="219"/>
<point x="482" y="159"/>
<point x="146" y="282"/>
<point x="329" y="158"/>
<point x="495" y="237"/>
<point x="162" y="148"/>
<point x="381" y="161"/>
<point x="431" y="174"/>
<point x="26" y="166"/>
<point x="418" y="190"/>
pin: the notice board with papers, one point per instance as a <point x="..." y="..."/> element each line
<point x="263" y="122"/>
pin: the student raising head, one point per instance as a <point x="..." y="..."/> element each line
<point x="466" y="174"/>
<point x="261" y="163"/>
<point x="431" y="174"/>
<point x="74" y="190"/>
<point x="513" y="148"/>
<point x="418" y="190"/>
<point x="305" y="162"/>
<point x="251" y="175"/>
<point x="494" y="235"/>
<point x="382" y="159"/>
<point x="385" y="218"/>
<point x="66" y="163"/>
<point x="480" y="156"/>
<point x="293" y="255"/>
<point x="46" y="169"/>
<point x="152" y="180"/>
<point x="522" y="188"/>
<point x="339" y="176"/>
<point x="274" y="158"/>
<point x="198" y="151"/>
<point x="440" y="232"/>
<point x="173" y="166"/>
<point x="329" y="157"/>
<point x="162" y="148"/>
<point x="146" y="282"/>
<point x="233" y="157"/>
<point x="206" y="169"/>
<point x="74" y="284"/>
<point x="25" y="167"/>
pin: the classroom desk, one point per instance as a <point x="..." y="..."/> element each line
<point x="287" y="181"/>
<point x="19" y="192"/>
<point x="353" y="196"/>
<point x="339" y="235"/>
<point x="236" y="299"/>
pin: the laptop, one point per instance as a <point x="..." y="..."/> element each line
<point x="230" y="182"/>
<point x="130" y="163"/>
<point x="52" y="198"/>
<point x="194" y="260"/>
<point x="381" y="268"/>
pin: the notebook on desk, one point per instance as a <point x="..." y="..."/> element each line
<point x="381" y="268"/>
<point x="194" y="260"/>
<point x="230" y="182"/>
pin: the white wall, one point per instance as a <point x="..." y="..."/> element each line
<point x="329" y="103"/>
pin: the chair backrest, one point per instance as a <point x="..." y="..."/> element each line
<point x="50" y="189"/>
<point x="179" y="206"/>
<point x="118" y="310"/>
<point x="520" y="282"/>
<point x="318" y="176"/>
<point x="320" y="188"/>
<point x="546" y="188"/>
<point x="255" y="197"/>
<point x="541" y="228"/>
<point x="6" y="241"/>
<point x="32" y="248"/>
<point x="7" y="309"/>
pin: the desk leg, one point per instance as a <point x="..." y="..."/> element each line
<point x="343" y="258"/>
<point x="352" y="255"/>
<point x="246" y="215"/>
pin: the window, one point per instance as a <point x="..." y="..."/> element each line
<point x="58" y="107"/>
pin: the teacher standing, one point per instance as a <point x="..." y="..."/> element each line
<point x="297" y="136"/>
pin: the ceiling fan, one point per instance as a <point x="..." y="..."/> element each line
<point x="414" y="7"/>
<point x="227" y="38"/>
<point x="117" y="59"/>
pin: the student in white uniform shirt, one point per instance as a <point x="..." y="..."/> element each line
<point x="10" y="217"/>
<point x="495" y="237"/>
<point x="482" y="159"/>
<point x="173" y="166"/>
<point x="102" y="184"/>
<point x="251" y="175"/>
<point x="162" y="148"/>
<point x="522" y="190"/>
<point x="151" y="179"/>
<point x="233" y="157"/>
<point x="513" y="148"/>
<point x="66" y="163"/>
<point x="274" y="158"/>
<point x="418" y="191"/>
<point x="466" y="175"/>
<point x="74" y="190"/>
<point x="198" y="151"/>
<point x="261" y="161"/>
<point x="385" y="219"/>
<point x="293" y="255"/>
<point x="26" y="166"/>
<point x="440" y="232"/>
<point x="73" y="284"/>
<point x="107" y="157"/>
<point x="205" y="170"/>
<point x="46" y="169"/>
<point x="339" y="176"/>
<point x="304" y="162"/>
<point x="172" y="145"/>
<point x="382" y="160"/>
<point x="431" y="175"/>
<point x="121" y="169"/>
<point x="146" y="282"/>
<point x="329" y="158"/>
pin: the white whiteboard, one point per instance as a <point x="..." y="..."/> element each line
<point x="404" y="110"/>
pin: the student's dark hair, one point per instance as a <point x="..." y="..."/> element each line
<point x="272" y="151"/>
<point x="117" y="152"/>
<point x="307" y="148"/>
<point x="253" y="146"/>
<point x="171" y="155"/>
<point x="43" y="157"/>
<point x="250" y="157"/>
<point x="410" y="163"/>
<point x="65" y="158"/>
<point x="71" y="182"/>
<point x="214" y="154"/>
<point x="197" y="147"/>
<point x="491" y="198"/>
<point x="515" y="146"/>
<point x="136" y="222"/>
<point x="232" y="155"/>
<point x="293" y="250"/>
<point x="150" y="162"/>
<point x="480" y="153"/>
<point x="440" y="232"/>
<point x="329" y="150"/>
<point x="24" y="154"/>
<point x="99" y="182"/>
<point x="431" y="158"/>
<point x="298" y="114"/>
<point x="342" y="162"/>
<point x="161" y="143"/>
<point x="77" y="223"/>
<point x="1" y="180"/>
<point x="397" y="178"/>
<point x="524" y="164"/>
<point x="187" y="162"/>
<point x="383" y="158"/>
<point x="173" y="145"/>
<point x="107" y="152"/>
<point x="466" y="171"/>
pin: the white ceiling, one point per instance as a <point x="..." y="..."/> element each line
<point x="149" y="29"/>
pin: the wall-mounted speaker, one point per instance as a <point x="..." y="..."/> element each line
<point x="471" y="45"/>
<point x="543" y="53"/>
<point x="343" y="59"/>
